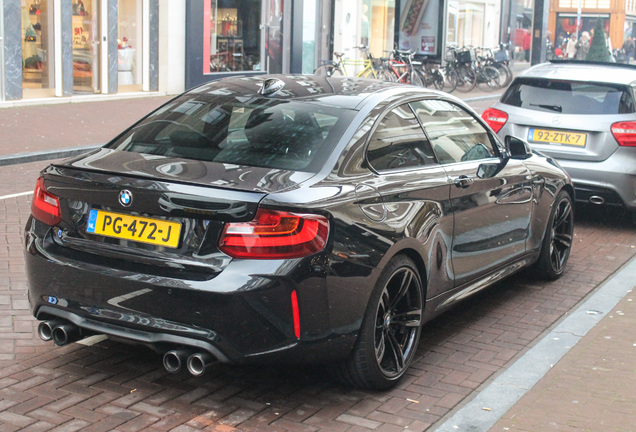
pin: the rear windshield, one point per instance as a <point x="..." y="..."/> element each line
<point x="261" y="132"/>
<point x="569" y="97"/>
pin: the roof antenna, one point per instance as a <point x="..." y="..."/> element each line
<point x="271" y="86"/>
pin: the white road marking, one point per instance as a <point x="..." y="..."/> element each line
<point x="15" y="195"/>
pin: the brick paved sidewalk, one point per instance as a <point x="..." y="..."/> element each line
<point x="593" y="388"/>
<point x="41" y="128"/>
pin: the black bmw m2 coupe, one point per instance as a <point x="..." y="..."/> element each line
<point x="290" y="219"/>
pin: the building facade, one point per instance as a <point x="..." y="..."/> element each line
<point x="618" y="18"/>
<point x="59" y="48"/>
<point x="75" y="48"/>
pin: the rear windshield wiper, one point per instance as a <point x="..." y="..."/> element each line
<point x="557" y="108"/>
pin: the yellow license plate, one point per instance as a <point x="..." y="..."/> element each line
<point x="155" y="231"/>
<point x="557" y="137"/>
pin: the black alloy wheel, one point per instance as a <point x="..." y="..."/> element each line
<point x="557" y="242"/>
<point x="390" y="330"/>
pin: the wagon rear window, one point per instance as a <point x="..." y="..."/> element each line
<point x="569" y="97"/>
<point x="242" y="131"/>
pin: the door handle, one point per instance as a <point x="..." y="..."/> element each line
<point x="463" y="181"/>
<point x="538" y="181"/>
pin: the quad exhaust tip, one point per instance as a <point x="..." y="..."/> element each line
<point x="60" y="332"/>
<point x="198" y="362"/>
<point x="195" y="362"/>
<point x="173" y="360"/>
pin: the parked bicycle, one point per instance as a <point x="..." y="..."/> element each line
<point x="501" y="62"/>
<point x="460" y="70"/>
<point x="433" y="75"/>
<point x="366" y="65"/>
<point x="488" y="78"/>
<point x="401" y="67"/>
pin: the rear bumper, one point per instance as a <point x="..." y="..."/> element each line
<point x="238" y="316"/>
<point x="612" y="180"/>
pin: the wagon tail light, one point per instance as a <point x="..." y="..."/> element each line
<point x="625" y="133"/>
<point x="495" y="118"/>
<point x="275" y="234"/>
<point x="45" y="206"/>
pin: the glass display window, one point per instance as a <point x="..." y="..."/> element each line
<point x="129" y="44"/>
<point x="232" y="38"/>
<point x="85" y="31"/>
<point x="38" y="72"/>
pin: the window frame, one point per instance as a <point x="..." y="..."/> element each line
<point x="376" y="124"/>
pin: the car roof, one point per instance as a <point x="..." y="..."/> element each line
<point x="616" y="73"/>
<point x="336" y="91"/>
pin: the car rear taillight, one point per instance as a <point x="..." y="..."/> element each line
<point x="45" y="206"/>
<point x="625" y="133"/>
<point x="274" y="234"/>
<point x="495" y="118"/>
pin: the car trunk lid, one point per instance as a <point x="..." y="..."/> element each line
<point x="124" y="208"/>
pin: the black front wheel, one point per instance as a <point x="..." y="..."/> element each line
<point x="557" y="241"/>
<point x="390" y="330"/>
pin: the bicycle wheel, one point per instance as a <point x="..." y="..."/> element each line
<point x="450" y="81"/>
<point x="388" y="75"/>
<point x="418" y="78"/>
<point x="489" y="78"/>
<point x="505" y="74"/>
<point x="438" y="79"/>
<point x="466" y="78"/>
<point x="327" y="71"/>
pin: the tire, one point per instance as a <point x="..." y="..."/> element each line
<point x="466" y="79"/>
<point x="390" y="330"/>
<point x="450" y="82"/>
<point x="438" y="79"/>
<point x="417" y="78"/>
<point x="327" y="71"/>
<point x="490" y="79"/>
<point x="557" y="239"/>
<point x="387" y="75"/>
<point x="505" y="74"/>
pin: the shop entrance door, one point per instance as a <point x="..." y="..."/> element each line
<point x="273" y="32"/>
<point x="86" y="46"/>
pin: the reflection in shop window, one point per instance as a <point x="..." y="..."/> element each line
<point x="37" y="48"/>
<point x="129" y="36"/>
<point x="85" y="27"/>
<point x="471" y="24"/>
<point x="231" y="35"/>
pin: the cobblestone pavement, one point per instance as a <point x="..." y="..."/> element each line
<point x="107" y="385"/>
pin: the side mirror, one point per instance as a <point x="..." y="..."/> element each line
<point x="517" y="148"/>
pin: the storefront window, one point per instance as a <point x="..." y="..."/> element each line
<point x="566" y="26"/>
<point x="470" y="29"/>
<point x="364" y="22"/>
<point x="129" y="37"/>
<point x="232" y="38"/>
<point x="37" y="48"/>
<point x="85" y="46"/>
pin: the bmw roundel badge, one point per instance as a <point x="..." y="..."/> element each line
<point x="125" y="198"/>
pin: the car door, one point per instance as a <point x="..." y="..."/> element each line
<point x="491" y="202"/>
<point x="414" y="192"/>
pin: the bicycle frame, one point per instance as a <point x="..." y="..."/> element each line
<point x="395" y="66"/>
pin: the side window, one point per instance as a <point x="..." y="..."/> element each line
<point x="399" y="142"/>
<point x="456" y="136"/>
